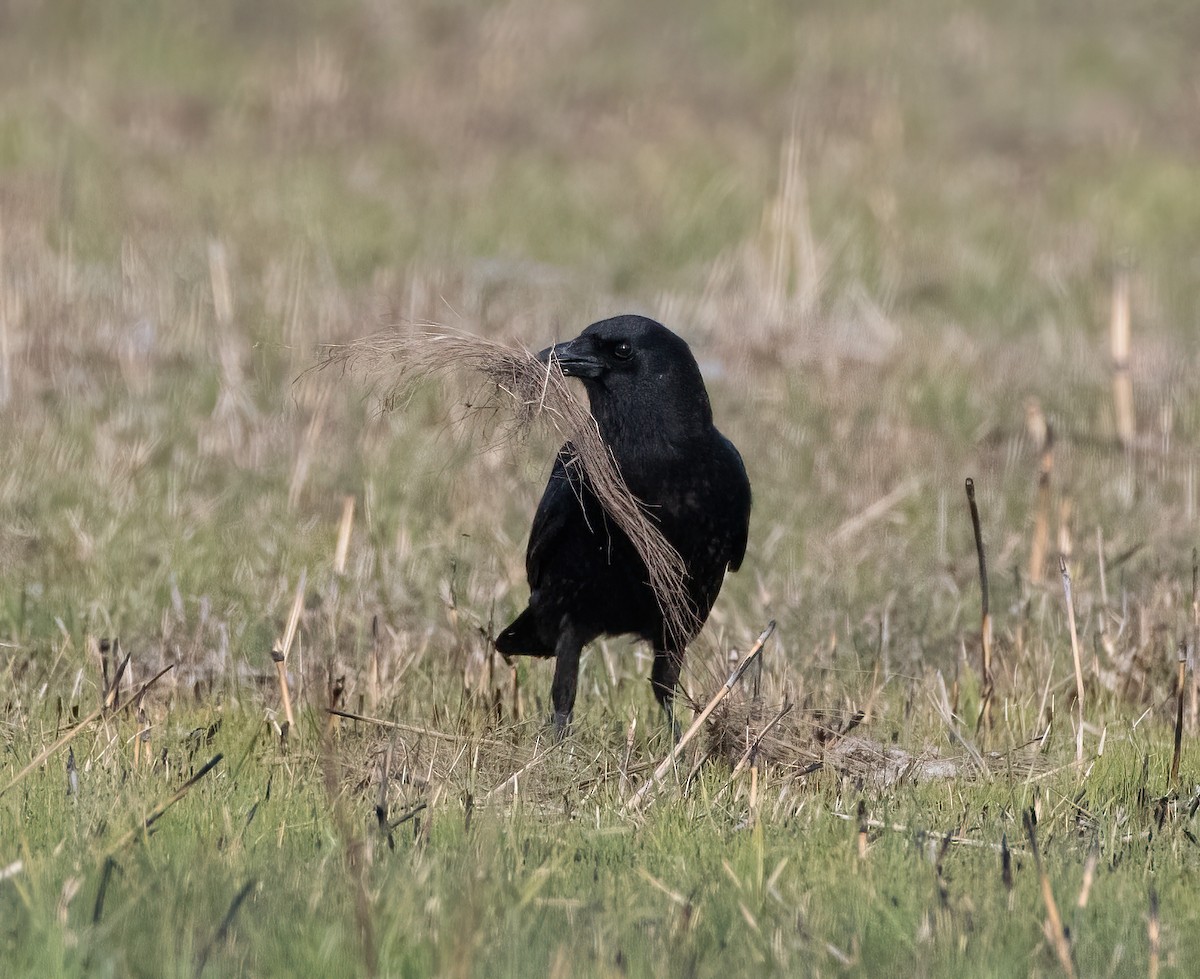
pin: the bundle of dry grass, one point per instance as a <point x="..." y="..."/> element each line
<point x="536" y="394"/>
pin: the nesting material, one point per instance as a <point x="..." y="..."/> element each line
<point x="536" y="394"/>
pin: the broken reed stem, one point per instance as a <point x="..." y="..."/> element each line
<point x="669" y="762"/>
<point x="1121" y="340"/>
<point x="535" y="394"/>
<point x="985" y="626"/>
<point x="343" y="540"/>
<point x="79" y="727"/>
<point x="1054" y="925"/>
<point x="1181" y="683"/>
<point x="1066" y="578"/>
<point x="280" y="653"/>
<point x="1041" y="520"/>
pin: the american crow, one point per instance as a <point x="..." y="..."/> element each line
<point x="586" y="578"/>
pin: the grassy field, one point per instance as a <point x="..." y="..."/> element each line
<point x="892" y="234"/>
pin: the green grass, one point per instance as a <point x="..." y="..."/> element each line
<point x="875" y="312"/>
<point x="689" y="890"/>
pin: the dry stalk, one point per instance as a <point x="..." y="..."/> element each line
<point x="373" y="676"/>
<point x="536" y="394"/>
<point x="1121" y="345"/>
<point x="1181" y="685"/>
<point x="669" y="762"/>
<point x="343" y="540"/>
<point x="1066" y="578"/>
<point x="985" y="627"/>
<point x="1054" y="925"/>
<point x="1041" y="520"/>
<point x="280" y="653"/>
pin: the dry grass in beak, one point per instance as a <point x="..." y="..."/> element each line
<point x="535" y="394"/>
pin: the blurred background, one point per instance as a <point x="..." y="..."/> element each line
<point x="890" y="232"/>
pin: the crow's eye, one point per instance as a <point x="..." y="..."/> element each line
<point x="623" y="350"/>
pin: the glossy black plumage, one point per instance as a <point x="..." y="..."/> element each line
<point x="586" y="579"/>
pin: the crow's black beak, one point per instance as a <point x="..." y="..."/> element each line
<point x="574" y="358"/>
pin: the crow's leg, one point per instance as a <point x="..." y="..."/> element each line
<point x="664" y="677"/>
<point x="566" y="677"/>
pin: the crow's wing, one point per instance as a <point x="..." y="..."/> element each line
<point x="558" y="515"/>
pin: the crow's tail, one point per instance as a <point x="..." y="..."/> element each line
<point x="521" y="638"/>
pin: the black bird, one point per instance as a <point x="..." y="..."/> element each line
<point x="586" y="579"/>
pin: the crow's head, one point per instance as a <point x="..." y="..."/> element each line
<point x="640" y="377"/>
